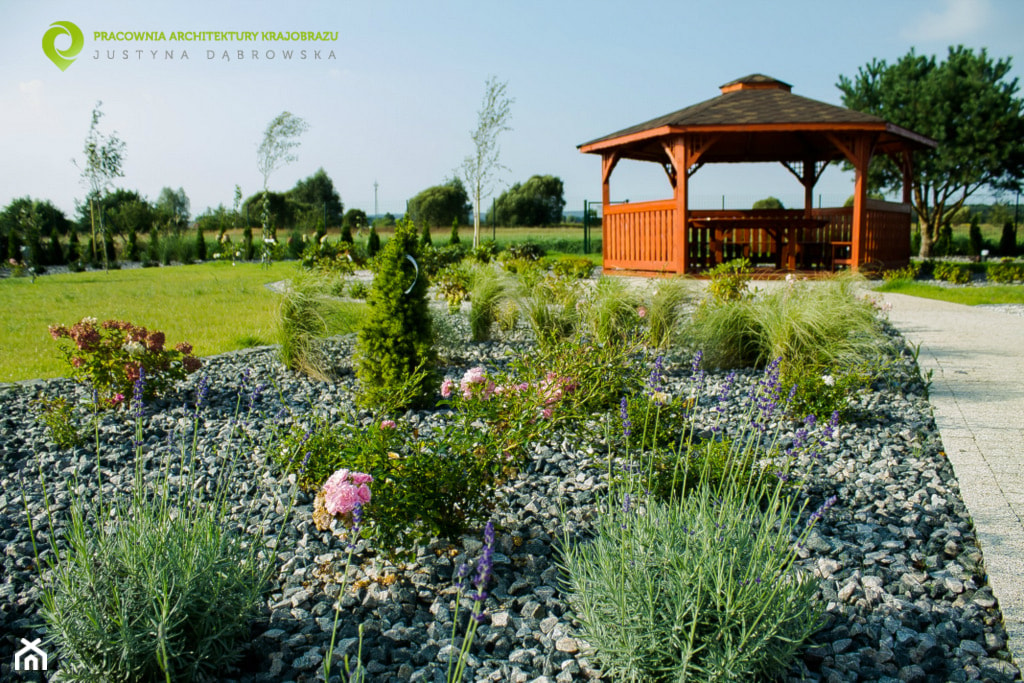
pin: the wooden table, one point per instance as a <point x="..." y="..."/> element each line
<point x="783" y="230"/>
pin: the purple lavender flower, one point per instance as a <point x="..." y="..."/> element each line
<point x="625" y="503"/>
<point x="817" y="514"/>
<point x="627" y="426"/>
<point x="202" y="391"/>
<point x="460" y="576"/>
<point x="654" y="379"/>
<point x="696" y="372"/>
<point x="357" y="525"/>
<point x="138" y="392"/>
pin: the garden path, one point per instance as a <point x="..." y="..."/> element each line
<point x="976" y="357"/>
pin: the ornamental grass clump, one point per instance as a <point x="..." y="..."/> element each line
<point x="157" y="583"/>
<point x="822" y="325"/>
<point x="689" y="573"/>
<point x="112" y="355"/>
<point x="308" y="315"/>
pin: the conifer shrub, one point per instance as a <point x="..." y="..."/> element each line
<point x="454" y="239"/>
<point x="425" y="240"/>
<point x="396" y="339"/>
<point x="372" y="243"/>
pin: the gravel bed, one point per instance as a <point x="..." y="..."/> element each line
<point x="900" y="572"/>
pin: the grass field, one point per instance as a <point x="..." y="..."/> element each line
<point x="216" y="307"/>
<point x="970" y="296"/>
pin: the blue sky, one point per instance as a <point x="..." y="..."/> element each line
<point x="398" y="100"/>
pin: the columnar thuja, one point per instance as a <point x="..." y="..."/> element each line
<point x="396" y="357"/>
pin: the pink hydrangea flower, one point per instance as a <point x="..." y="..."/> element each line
<point x="344" y="491"/>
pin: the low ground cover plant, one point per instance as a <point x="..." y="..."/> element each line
<point x="111" y="357"/>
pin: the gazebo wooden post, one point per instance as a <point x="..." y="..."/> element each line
<point x="680" y="233"/>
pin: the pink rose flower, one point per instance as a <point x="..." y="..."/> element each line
<point x="387" y="424"/>
<point x="446" y="387"/>
<point x="344" y="491"/>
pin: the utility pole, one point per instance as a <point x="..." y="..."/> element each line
<point x="374" y="198"/>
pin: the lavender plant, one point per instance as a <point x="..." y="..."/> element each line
<point x="156" y="583"/>
<point x="699" y="584"/>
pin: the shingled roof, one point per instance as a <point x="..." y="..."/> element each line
<point x="763" y="102"/>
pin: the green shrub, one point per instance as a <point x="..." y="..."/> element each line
<point x="372" y="242"/>
<point x="1008" y="240"/>
<point x="529" y="251"/>
<point x="1006" y="273"/>
<point x="454" y="238"/>
<point x="395" y="341"/>
<point x="110" y="356"/>
<point x="425" y="240"/>
<point x="572" y="267"/>
<point x="728" y="281"/>
<point x="61" y="422"/>
<point x="701" y="589"/>
<point x="825" y="391"/>
<point x="952" y="272"/>
<point x="908" y="272"/>
<point x="452" y="284"/>
<point x="200" y="243"/>
<point x="486" y="252"/>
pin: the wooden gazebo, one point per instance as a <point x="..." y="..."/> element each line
<point x="757" y="118"/>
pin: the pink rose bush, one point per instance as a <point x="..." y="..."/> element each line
<point x="342" y="498"/>
<point x="476" y="386"/>
<point x="114" y="354"/>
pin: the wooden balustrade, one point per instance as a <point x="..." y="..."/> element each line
<point x="639" y="236"/>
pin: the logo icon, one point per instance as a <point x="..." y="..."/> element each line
<point x="30" y="657"/>
<point x="63" y="58"/>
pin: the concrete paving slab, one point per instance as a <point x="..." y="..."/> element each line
<point x="976" y="357"/>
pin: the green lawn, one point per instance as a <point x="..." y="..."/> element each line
<point x="970" y="296"/>
<point x="216" y="307"/>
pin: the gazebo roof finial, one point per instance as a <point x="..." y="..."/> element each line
<point x="756" y="82"/>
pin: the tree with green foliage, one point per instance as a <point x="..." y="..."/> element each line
<point x="27" y="221"/>
<point x="454" y="239"/>
<point x="479" y="169"/>
<point x="539" y="201"/>
<point x="968" y="104"/>
<point x="440" y="205"/>
<point x="1008" y="240"/>
<point x="173" y="208"/>
<point x="770" y="203"/>
<point x="317" y="196"/>
<point x="200" y="243"/>
<point x="356" y="220"/>
<point x="385" y="221"/>
<point x="395" y="347"/>
<point x="280" y="140"/>
<point x="372" y="242"/>
<point x="975" y="241"/>
<point x="104" y="158"/>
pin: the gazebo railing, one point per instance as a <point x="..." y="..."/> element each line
<point x="639" y="236"/>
